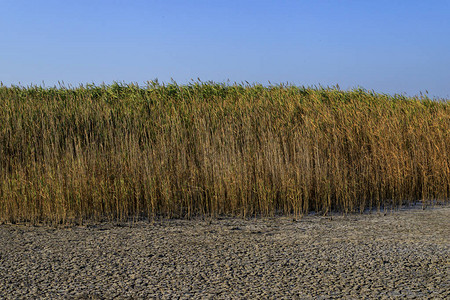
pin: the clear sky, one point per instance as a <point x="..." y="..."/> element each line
<point x="388" y="46"/>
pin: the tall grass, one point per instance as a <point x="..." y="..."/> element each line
<point x="112" y="152"/>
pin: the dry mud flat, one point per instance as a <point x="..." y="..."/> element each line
<point x="403" y="254"/>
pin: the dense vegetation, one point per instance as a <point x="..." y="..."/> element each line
<point x="117" y="151"/>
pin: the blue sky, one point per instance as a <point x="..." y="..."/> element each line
<point x="387" y="46"/>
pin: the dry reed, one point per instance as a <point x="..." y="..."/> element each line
<point x="119" y="151"/>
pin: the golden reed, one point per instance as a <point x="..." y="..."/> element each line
<point x="117" y="151"/>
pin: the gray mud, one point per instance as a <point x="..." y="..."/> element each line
<point x="403" y="254"/>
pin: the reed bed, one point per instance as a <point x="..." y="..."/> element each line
<point x="117" y="151"/>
